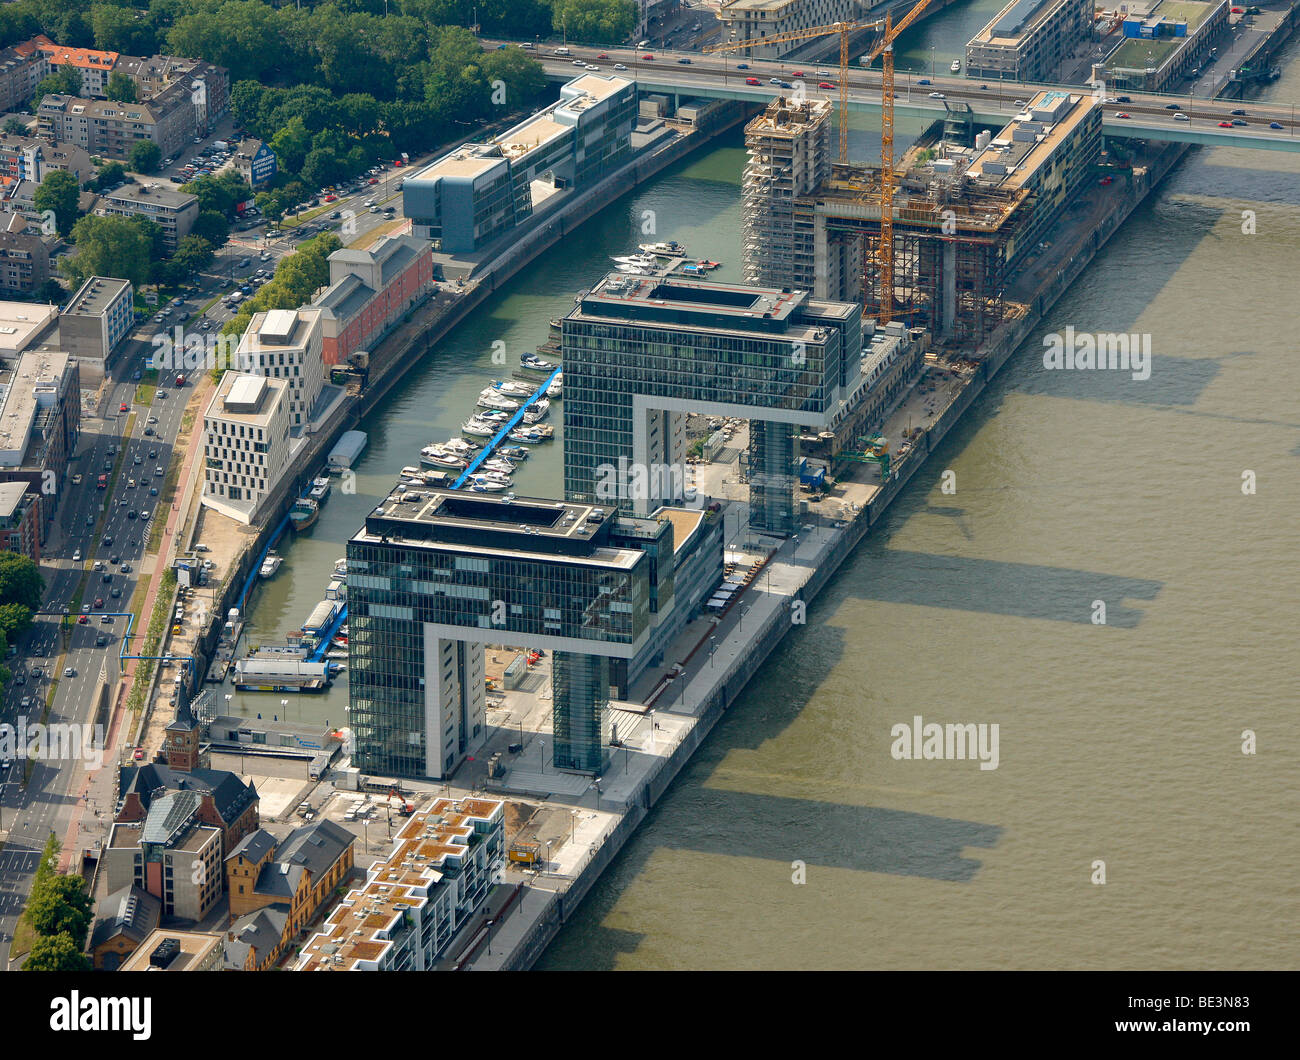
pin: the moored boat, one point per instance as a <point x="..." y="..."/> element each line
<point x="304" y="513"/>
<point x="271" y="564"/>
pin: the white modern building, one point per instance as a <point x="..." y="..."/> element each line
<point x="97" y="318"/>
<point x="246" y="444"/>
<point x="287" y="344"/>
<point x="754" y="19"/>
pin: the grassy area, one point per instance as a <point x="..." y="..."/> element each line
<point x="144" y="393"/>
<point x="152" y="639"/>
<point x="1142" y="54"/>
<point x="165" y="497"/>
<point x="24" y="936"/>
<point x="1192" y="13"/>
<point x="150" y="377"/>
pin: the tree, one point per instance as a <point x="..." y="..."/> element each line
<point x="291" y="145"/>
<point x="110" y="176"/>
<point x="20" y="581"/>
<point x="59" y="193"/>
<point x="15" y="127"/>
<point x="145" y="156"/>
<point x="15" y="620"/>
<point x="221" y="193"/>
<point x="594" y="21"/>
<point x="111" y="246"/>
<point x="47" y="868"/>
<point x="193" y="254"/>
<point x="120" y="87"/>
<point x="56" y="953"/>
<point x="61" y="906"/>
<point x="211" y="226"/>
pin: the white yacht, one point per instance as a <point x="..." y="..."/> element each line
<point x="556" y="389"/>
<point x="490" y="399"/>
<point x="537" y="411"/>
<point x="512" y="388"/>
<point x="671" y="248"/>
<point x="477" y="428"/>
<point x="956" y="66"/>
<point x="271" y="564"/>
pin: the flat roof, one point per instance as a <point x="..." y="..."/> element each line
<point x="11" y="496"/>
<point x="21" y="323"/>
<point x="96" y="295"/>
<point x="255" y="405"/>
<point x="176" y="200"/>
<point x="738" y="301"/>
<point x="195" y="948"/>
<point x="1023" y="157"/>
<point x="685" y="522"/>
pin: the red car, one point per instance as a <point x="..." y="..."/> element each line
<point x="1107" y="181"/>
<point x="99" y="601"/>
<point x="751" y="80"/>
<point x="331" y="198"/>
<point x="83" y="620"/>
<point x="602" y="55"/>
<point x="139" y="754"/>
<point x="374" y="180"/>
<point x="122" y="407"/>
<point x="180" y="380"/>
<point x="1225" y="125"/>
<point x="647" y="58"/>
<point x="825" y="84"/>
<point x="797" y="73"/>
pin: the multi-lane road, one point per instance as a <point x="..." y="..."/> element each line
<point x="725" y="76"/>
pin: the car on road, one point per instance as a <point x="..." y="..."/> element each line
<point x="115" y="560"/>
<point x="153" y="491"/>
<point x="1238" y="121"/>
<point x="138" y="754"/>
<point x="684" y="61"/>
<point x="824" y="84"/>
<point x="125" y="568"/>
<point x="1123" y="99"/>
<point x="101" y="640"/>
<point x="107" y="541"/>
<point x="76" y="556"/>
<point x="137" y="460"/>
<point x="90" y="520"/>
<point x="122" y="407"/>
<point x="1225" y="125"/>
<point x="1172" y="106"/>
<point x="161" y="395"/>
<point x="68" y="671"/>
<point x="619" y="66"/>
<point x="148" y="432"/>
<point x="76" y="480"/>
<point x="136" y="376"/>
<point x="936" y="95"/>
<point x="105" y="620"/>
<point x="158" y="471"/>
<point x="99" y="601"/>
<point x="742" y="66"/>
<point x="83" y="620"/>
<point x="774" y="81"/>
<point x="924" y="81"/>
<point x="331" y="198"/>
<point x="647" y="58"/>
<point x="116" y="593"/>
<point x="1121" y="114"/>
<point x="751" y="81"/>
<point x="85" y="609"/>
<point x="1275" y="125"/>
<point x="131" y="514"/>
<point x="1239" y="113"/>
<point x="602" y="55"/>
<point x="1181" y="117"/>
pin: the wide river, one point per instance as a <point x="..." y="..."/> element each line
<point x="1119" y="743"/>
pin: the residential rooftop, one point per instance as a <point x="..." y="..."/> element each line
<point x="95" y="295"/>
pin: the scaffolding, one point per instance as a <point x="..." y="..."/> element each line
<point x="789" y="156"/>
<point x="952" y="240"/>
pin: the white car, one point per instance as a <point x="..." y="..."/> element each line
<point x="936" y="95"/>
<point x="76" y="556"/>
<point x="68" y="671"/>
<point x="619" y="66"/>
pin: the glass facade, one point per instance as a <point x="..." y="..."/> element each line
<point x="771" y="476"/>
<point x="594" y="592"/>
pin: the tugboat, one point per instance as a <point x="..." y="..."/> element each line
<point x="304" y="513"/>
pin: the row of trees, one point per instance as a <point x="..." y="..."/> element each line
<point x="21" y="588"/>
<point x="312" y="37"/>
<point x="60" y="912"/>
<point x="296" y="279"/>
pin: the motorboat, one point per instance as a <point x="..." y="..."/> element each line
<point x="436" y="456"/>
<point x="271" y="564"/>
<point x="538" y="410"/>
<point x="556" y="389"/>
<point x="490" y="399"/>
<point x="483" y="484"/>
<point x="341" y="567"/>
<point x="320" y="489"/>
<point x="514" y="452"/>
<point x="555" y="323"/>
<point x="512" y="388"/>
<point x="477" y="428"/>
<point x="670" y="248"/>
<point x="505" y="467"/>
<point x="537" y="432"/>
<point x="304" y="513"/>
<point x="643" y="261"/>
<point x="956" y="66"/>
<point x="537" y="364"/>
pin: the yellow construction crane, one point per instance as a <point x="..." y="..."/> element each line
<point x="885" y="254"/>
<point x="845" y="30"/>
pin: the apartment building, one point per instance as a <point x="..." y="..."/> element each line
<point x="97" y="318"/>
<point x="20" y="529"/>
<point x="20" y="72"/>
<point x="24" y="257"/>
<point x="173" y="211"/>
<point x="438" y="874"/>
<point x="1028" y="40"/>
<point x="108" y="128"/>
<point x="40" y="409"/>
<point x="246" y="444"/>
<point x="287" y="344"/>
<point x="207" y="84"/>
<point x="755" y="19"/>
<point x="370" y="291"/>
<point x="169" y="950"/>
<point x="256" y="163"/>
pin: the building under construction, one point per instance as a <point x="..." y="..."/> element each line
<point x="964" y="217"/>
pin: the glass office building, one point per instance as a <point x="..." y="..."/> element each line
<point x="635" y="347"/>
<point x="434" y="575"/>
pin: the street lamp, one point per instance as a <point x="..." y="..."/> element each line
<point x="489" y="937"/>
<point x="713" y="643"/>
<point x="547" y="871"/>
<point x="932" y="60"/>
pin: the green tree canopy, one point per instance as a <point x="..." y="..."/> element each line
<point x="20" y="581"/>
<point x="59" y="192"/>
<point x="56" y="953"/>
<point x="15" y="126"/>
<point x="120" y="87"/>
<point x="145" y="156"/>
<point x="111" y="246"/>
<point x="61" y="906"/>
<point x="213" y="227"/>
<point x="15" y="620"/>
<point x="110" y="175"/>
<point x="594" y="21"/>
